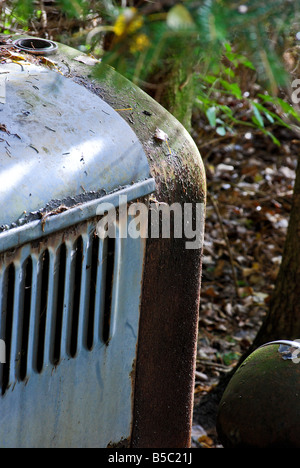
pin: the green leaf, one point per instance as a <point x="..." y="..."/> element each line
<point x="180" y="18"/>
<point x="268" y="114"/>
<point x="210" y="79"/>
<point x="73" y="8"/>
<point x="285" y="106"/>
<point x="232" y="58"/>
<point x="229" y="72"/>
<point x="227" y="110"/>
<point x="247" y="63"/>
<point x="274" y="139"/>
<point x="211" y="115"/>
<point x="257" y="115"/>
<point x="238" y="59"/>
<point x="24" y="9"/>
<point x="221" y="131"/>
<point x="288" y="109"/>
<point x="230" y="358"/>
<point x="269" y="117"/>
<point x="233" y="88"/>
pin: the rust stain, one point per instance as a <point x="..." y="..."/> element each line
<point x="167" y="345"/>
<point x="123" y="443"/>
<point x="51" y="242"/>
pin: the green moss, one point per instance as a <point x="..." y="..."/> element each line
<point x="260" y="406"/>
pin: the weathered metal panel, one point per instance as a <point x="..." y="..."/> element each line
<point x="167" y="345"/>
<point x="163" y="387"/>
<point x="61" y="141"/>
<point x="84" y="399"/>
<point x="80" y="213"/>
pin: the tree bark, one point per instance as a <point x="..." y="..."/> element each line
<point x="178" y="94"/>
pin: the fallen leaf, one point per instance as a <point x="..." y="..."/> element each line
<point x="287" y="172"/>
<point x="210" y="292"/>
<point x="224" y="167"/>
<point x="4" y="129"/>
<point x="206" y="441"/>
<point x="49" y="63"/>
<point x="200" y="376"/>
<point x="198" y="431"/>
<point x="219" y="268"/>
<point x="87" y="60"/>
<point x="161" y="135"/>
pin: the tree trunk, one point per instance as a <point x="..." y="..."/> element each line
<point x="178" y="94"/>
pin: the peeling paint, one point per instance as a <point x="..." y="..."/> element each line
<point x="123" y="443"/>
<point x="286" y="352"/>
<point x="69" y="202"/>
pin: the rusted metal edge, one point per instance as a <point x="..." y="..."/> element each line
<point x="36" y="229"/>
<point x="123" y="443"/>
<point x="164" y="389"/>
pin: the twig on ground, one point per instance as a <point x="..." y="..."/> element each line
<point x="216" y="208"/>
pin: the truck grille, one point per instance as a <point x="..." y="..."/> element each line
<point x="56" y="299"/>
<point x="69" y="317"/>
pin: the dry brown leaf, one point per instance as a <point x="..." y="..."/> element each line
<point x="87" y="60"/>
<point x="206" y="441"/>
<point x="161" y="135"/>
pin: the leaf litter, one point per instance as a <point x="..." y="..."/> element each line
<point x="250" y="185"/>
<point x="250" y="182"/>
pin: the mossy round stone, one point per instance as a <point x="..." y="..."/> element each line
<point x="261" y="404"/>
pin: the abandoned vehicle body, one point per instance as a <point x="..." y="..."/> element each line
<point x="100" y="334"/>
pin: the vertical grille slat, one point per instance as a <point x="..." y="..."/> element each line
<point x="33" y="324"/>
<point x="67" y="302"/>
<point x="109" y="261"/>
<point x="85" y="293"/>
<point x="61" y="266"/>
<point x="6" y="321"/>
<point x="17" y="323"/>
<point x="115" y="284"/>
<point x="99" y="298"/>
<point x="75" y="294"/>
<point x="58" y="299"/>
<point x="42" y="309"/>
<point x="94" y="291"/>
<point x="2" y="312"/>
<point x="51" y="309"/>
<point x="2" y="292"/>
<point x="2" y="319"/>
<point x="26" y="306"/>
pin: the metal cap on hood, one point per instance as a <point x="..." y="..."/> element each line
<point x="59" y="140"/>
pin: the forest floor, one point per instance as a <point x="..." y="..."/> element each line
<point x="250" y="186"/>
